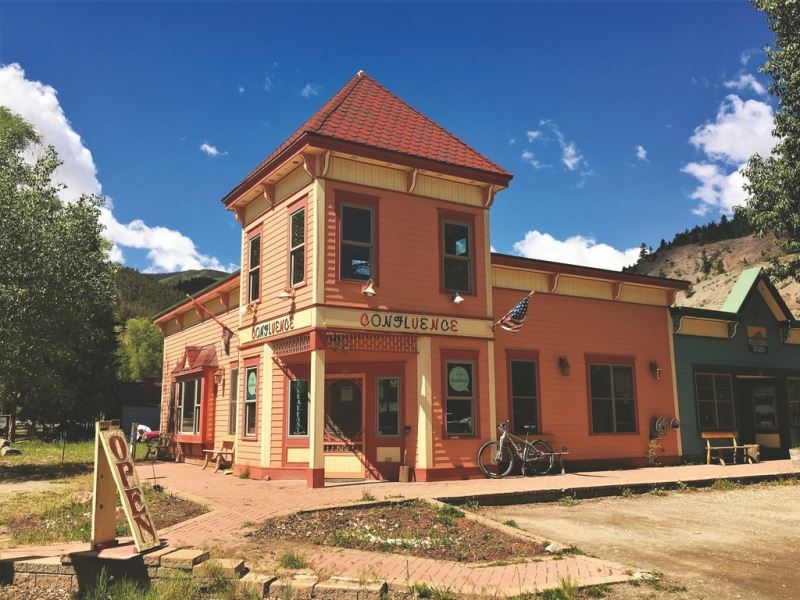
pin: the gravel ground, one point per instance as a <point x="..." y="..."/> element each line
<point x="741" y="543"/>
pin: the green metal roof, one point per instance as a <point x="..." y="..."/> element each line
<point x="741" y="289"/>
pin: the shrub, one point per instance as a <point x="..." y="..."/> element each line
<point x="293" y="560"/>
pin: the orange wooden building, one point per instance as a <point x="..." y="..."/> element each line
<point x="363" y="317"/>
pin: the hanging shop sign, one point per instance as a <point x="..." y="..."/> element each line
<point x="115" y="472"/>
<point x="415" y="323"/>
<point x="272" y="328"/>
<point x="757" y="339"/>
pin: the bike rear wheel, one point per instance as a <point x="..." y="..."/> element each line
<point x="538" y="457"/>
<point x="495" y="462"/>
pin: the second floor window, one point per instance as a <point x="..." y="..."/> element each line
<point x="457" y="256"/>
<point x="297" y="247"/>
<point x="254" y="269"/>
<point x="357" y="243"/>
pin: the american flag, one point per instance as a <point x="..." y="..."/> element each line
<point x="513" y="319"/>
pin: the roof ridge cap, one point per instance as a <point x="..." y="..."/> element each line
<point x="359" y="77"/>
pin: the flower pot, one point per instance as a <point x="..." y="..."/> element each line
<point x="794" y="454"/>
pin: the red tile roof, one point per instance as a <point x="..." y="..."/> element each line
<point x="365" y="112"/>
<point x="196" y="357"/>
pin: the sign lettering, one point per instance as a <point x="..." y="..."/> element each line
<point x="271" y="328"/>
<point x="399" y="322"/>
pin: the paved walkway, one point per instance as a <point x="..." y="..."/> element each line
<point x="234" y="502"/>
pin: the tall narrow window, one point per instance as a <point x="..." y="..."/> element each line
<point x="250" y="398"/>
<point x="523" y="396"/>
<point x="189" y="406"/>
<point x="234" y="401"/>
<point x="254" y="269"/>
<point x="457" y="256"/>
<point x="793" y="392"/>
<point x="357" y="243"/>
<point x="612" y="399"/>
<point x="715" y="401"/>
<point x="298" y="407"/>
<point x="388" y="406"/>
<point x="460" y="405"/>
<point x="297" y="247"/>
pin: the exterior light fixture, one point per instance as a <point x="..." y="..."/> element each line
<point x="563" y="364"/>
<point x="286" y="294"/>
<point x="217" y="378"/>
<point x="247" y="308"/>
<point x="655" y="370"/>
<point x="457" y="298"/>
<point x="368" y="290"/>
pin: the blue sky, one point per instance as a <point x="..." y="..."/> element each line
<point x="611" y="116"/>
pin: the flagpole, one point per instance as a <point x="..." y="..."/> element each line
<point x="210" y="314"/>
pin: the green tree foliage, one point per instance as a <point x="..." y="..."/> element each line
<point x="140" y="349"/>
<point x="774" y="180"/>
<point x="141" y="295"/>
<point x="56" y="288"/>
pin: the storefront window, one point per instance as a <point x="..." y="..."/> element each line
<point x="793" y="392"/>
<point x="234" y="402"/>
<point x="612" y="398"/>
<point x="460" y="405"/>
<point x="298" y="407"/>
<point x="457" y="256"/>
<point x="523" y="395"/>
<point x="189" y="406"/>
<point x="715" y="401"/>
<point x="356" y="248"/>
<point x="254" y="266"/>
<point x="389" y="406"/>
<point x="250" y="397"/>
<point x="297" y="247"/>
<point x="765" y="407"/>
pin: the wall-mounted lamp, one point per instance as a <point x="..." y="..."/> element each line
<point x="457" y="298"/>
<point x="563" y="364"/>
<point x="217" y="378"/>
<point x="247" y="308"/>
<point x="655" y="370"/>
<point x="368" y="290"/>
<point x="286" y="294"/>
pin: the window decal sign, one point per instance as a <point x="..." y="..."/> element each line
<point x="115" y="471"/>
<point x="252" y="383"/>
<point x="757" y="339"/>
<point x="458" y="379"/>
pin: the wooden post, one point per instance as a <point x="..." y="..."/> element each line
<point x="104" y="526"/>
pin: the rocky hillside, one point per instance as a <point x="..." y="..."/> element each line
<point x="713" y="267"/>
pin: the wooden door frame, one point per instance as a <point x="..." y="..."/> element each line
<point x="362" y="379"/>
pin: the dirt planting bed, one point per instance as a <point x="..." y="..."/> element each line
<point x="415" y="527"/>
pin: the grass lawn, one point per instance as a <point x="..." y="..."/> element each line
<point x="63" y="513"/>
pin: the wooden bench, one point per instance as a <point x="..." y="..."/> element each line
<point x="222" y="453"/>
<point x="160" y="447"/>
<point x="750" y="452"/>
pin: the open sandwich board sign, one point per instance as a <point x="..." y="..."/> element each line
<point x="115" y="471"/>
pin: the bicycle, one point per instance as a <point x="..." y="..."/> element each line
<point x="496" y="459"/>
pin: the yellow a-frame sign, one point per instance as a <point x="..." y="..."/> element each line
<point x="115" y="471"/>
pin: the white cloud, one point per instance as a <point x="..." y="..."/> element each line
<point x="576" y="250"/>
<point x="512" y="141"/>
<point x="168" y="250"/>
<point x="241" y="89"/>
<point x="529" y="158"/>
<point x="741" y="129"/>
<point x="745" y="56"/>
<point x="641" y="153"/>
<point x="570" y="156"/>
<point x="746" y="81"/>
<point x="310" y="89"/>
<point x="533" y="134"/>
<point x="207" y="148"/>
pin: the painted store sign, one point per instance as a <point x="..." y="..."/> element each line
<point x="400" y="322"/>
<point x="275" y="327"/>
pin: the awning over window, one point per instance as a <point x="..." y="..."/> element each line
<point x="196" y="358"/>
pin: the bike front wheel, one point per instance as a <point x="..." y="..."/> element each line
<point x="538" y="457"/>
<point x="495" y="462"/>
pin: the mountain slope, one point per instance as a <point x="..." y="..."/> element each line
<point x="712" y="268"/>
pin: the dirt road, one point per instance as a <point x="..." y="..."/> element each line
<point x="742" y="543"/>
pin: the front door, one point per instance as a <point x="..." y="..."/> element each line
<point x="344" y="441"/>
<point x="766" y="418"/>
